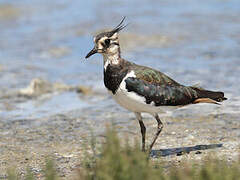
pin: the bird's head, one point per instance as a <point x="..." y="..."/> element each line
<point x="107" y="42"/>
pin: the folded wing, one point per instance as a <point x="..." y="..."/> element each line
<point x="171" y="94"/>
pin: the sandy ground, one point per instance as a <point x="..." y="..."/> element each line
<point x="190" y="133"/>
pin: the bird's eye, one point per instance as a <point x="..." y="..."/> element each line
<point x="107" y="42"/>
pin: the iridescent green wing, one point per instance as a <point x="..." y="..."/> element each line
<point x="158" y="88"/>
<point x="153" y="76"/>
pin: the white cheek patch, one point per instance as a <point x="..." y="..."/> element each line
<point x="113" y="48"/>
<point x="100" y="46"/>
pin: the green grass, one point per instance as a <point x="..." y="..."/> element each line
<point x="116" y="162"/>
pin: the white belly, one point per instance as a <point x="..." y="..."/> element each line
<point x="133" y="102"/>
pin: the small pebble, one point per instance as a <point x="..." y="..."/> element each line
<point x="180" y="153"/>
<point x="198" y="152"/>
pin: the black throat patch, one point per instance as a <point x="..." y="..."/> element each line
<point x="113" y="76"/>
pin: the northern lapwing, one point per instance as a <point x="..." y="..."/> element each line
<point x="143" y="89"/>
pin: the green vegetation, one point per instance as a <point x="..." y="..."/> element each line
<point x="117" y="162"/>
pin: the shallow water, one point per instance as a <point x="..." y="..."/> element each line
<point x="192" y="41"/>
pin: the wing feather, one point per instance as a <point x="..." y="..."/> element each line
<point x="161" y="95"/>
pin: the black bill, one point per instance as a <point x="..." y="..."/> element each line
<point x="93" y="51"/>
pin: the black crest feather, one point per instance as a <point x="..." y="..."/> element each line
<point x="120" y="26"/>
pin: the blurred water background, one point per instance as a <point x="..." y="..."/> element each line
<point x="194" y="42"/>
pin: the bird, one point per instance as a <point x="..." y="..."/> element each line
<point x="142" y="89"/>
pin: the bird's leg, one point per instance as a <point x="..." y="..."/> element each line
<point x="159" y="129"/>
<point x="143" y="129"/>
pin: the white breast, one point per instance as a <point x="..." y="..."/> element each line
<point x="132" y="101"/>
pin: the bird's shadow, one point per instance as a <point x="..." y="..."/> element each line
<point x="182" y="150"/>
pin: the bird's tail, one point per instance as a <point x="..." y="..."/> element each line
<point x="205" y="96"/>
